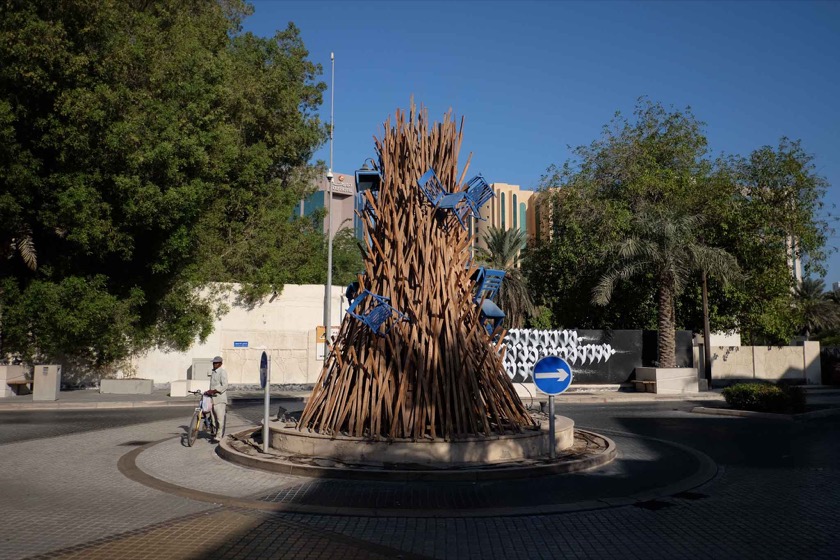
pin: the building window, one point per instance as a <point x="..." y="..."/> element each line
<point x="502" y="197"/>
<point x="523" y="218"/>
<point x="513" y="208"/>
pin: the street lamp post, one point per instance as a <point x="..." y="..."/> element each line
<point x="328" y="302"/>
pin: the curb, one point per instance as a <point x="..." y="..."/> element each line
<point x="226" y="452"/>
<point x="802" y="417"/>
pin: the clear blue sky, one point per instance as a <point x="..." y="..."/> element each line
<point x="533" y="78"/>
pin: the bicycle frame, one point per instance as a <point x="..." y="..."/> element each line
<point x="199" y="418"/>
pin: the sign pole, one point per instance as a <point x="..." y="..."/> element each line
<point x="552" y="437"/>
<point x="552" y="375"/>
<point x="265" y="417"/>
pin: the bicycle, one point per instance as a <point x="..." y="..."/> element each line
<point x="203" y="415"/>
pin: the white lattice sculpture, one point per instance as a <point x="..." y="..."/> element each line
<point x="525" y="346"/>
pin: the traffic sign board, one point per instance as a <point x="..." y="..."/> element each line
<point x="552" y="375"/>
<point x="263" y="370"/>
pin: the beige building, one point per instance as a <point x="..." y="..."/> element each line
<point x="343" y="201"/>
<point x="283" y="325"/>
<point x="544" y="213"/>
<point x="511" y="208"/>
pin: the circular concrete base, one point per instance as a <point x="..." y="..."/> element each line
<point x="424" y="453"/>
<point x="589" y="450"/>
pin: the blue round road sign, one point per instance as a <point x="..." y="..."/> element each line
<point x="552" y="375"/>
<point x="263" y="370"/>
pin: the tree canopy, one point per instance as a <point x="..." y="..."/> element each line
<point x="763" y="209"/>
<point x="146" y="148"/>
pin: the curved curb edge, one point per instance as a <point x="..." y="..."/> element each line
<point x="226" y="452"/>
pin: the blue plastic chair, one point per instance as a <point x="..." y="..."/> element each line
<point x="431" y="186"/>
<point x="379" y="313"/>
<point x="456" y="202"/>
<point x="462" y="203"/>
<point x="489" y="283"/>
<point x="478" y="193"/>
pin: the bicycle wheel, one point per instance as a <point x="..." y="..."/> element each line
<point x="192" y="434"/>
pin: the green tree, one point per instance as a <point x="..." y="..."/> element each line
<point x="501" y="252"/>
<point x="763" y="209"/>
<point x="569" y="256"/>
<point x="817" y="310"/>
<point x="652" y="160"/>
<point x="147" y="149"/>
<point x="665" y="244"/>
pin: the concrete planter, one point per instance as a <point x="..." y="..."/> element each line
<point x="424" y="453"/>
<point x="126" y="386"/>
<point x="667" y="381"/>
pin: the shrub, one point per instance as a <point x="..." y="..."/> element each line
<point x="764" y="397"/>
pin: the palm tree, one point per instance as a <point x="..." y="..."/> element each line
<point x="818" y="310"/>
<point x="502" y="253"/>
<point x="21" y="244"/>
<point x="665" y="244"/>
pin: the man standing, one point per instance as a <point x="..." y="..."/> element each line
<point x="218" y="391"/>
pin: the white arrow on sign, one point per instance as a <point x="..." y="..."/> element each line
<point x="560" y="375"/>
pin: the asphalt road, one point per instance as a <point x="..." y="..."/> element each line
<point x="729" y="441"/>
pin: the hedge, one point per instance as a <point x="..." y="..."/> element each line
<point x="764" y="397"/>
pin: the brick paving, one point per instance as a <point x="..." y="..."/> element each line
<point x="66" y="490"/>
<point x="63" y="497"/>
<point x="228" y="533"/>
<point x="740" y="518"/>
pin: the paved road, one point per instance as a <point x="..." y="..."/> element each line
<point x="776" y="496"/>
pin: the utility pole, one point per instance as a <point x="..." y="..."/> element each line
<point x="328" y="302"/>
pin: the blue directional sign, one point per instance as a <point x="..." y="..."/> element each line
<point x="552" y="375"/>
<point x="263" y="370"/>
<point x="240" y="344"/>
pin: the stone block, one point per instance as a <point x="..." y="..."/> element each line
<point x="669" y="381"/>
<point x="178" y="388"/>
<point x="46" y="382"/>
<point x="10" y="373"/>
<point x="182" y="387"/>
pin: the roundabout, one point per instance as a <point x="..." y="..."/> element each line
<point x="642" y="469"/>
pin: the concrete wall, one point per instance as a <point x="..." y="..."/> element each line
<point x="767" y="363"/>
<point x="621" y="352"/>
<point x="283" y="326"/>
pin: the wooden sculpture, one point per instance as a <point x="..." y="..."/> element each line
<point x="413" y="360"/>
